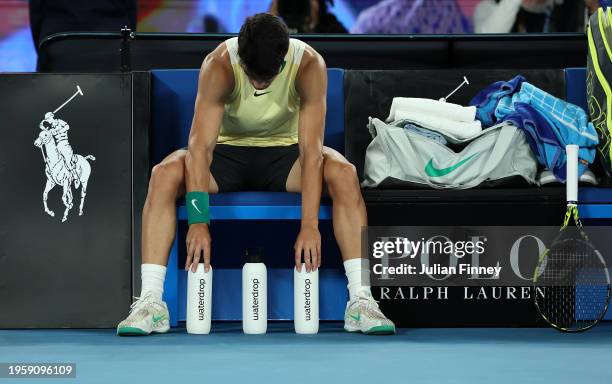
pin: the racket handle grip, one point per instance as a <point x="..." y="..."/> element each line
<point x="571" y="183"/>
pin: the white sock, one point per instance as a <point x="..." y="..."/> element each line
<point x="357" y="273"/>
<point x="153" y="276"/>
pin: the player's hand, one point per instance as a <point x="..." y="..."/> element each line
<point x="198" y="247"/>
<point x="308" y="243"/>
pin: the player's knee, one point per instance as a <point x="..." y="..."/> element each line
<point x="341" y="177"/>
<point x="166" y="176"/>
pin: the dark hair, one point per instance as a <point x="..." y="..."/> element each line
<point x="262" y="45"/>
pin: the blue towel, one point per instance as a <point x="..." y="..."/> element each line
<point x="486" y="100"/>
<point x="542" y="139"/>
<point x="549" y="122"/>
<point x="570" y="121"/>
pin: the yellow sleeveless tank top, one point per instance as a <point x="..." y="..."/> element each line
<point x="266" y="117"/>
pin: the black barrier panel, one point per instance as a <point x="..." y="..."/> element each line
<point x="462" y="306"/>
<point x="100" y="52"/>
<point x="61" y="266"/>
<point x="141" y="85"/>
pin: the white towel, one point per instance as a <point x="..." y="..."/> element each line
<point x="449" y="111"/>
<point x="454" y="130"/>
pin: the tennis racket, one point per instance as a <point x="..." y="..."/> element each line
<point x="571" y="280"/>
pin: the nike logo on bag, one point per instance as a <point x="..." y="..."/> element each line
<point x="193" y="202"/>
<point x="431" y="170"/>
<point x="260" y="94"/>
<point x="157" y="319"/>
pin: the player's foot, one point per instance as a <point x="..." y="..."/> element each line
<point x="363" y="315"/>
<point x="147" y="315"/>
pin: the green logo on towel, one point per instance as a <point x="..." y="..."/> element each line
<point x="432" y="171"/>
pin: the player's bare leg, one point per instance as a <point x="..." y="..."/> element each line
<point x="349" y="217"/>
<point x="149" y="314"/>
<point x="166" y="185"/>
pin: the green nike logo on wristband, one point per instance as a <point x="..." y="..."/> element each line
<point x="198" y="210"/>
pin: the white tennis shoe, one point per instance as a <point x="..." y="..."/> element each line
<point x="363" y="315"/>
<point x="147" y="315"/>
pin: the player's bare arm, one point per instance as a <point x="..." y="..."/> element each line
<point x="311" y="85"/>
<point x="215" y="82"/>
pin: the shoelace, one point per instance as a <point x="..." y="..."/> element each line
<point x="369" y="301"/>
<point x="372" y="305"/>
<point x="140" y="301"/>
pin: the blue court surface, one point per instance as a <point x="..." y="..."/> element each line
<point x="466" y="355"/>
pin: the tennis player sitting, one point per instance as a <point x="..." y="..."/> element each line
<point x="258" y="125"/>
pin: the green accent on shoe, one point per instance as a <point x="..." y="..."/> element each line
<point x="157" y="319"/>
<point x="131" y="331"/>
<point x="381" y="330"/>
<point x="356" y="318"/>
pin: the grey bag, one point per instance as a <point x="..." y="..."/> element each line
<point x="497" y="153"/>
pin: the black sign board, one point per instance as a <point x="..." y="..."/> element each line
<point x="65" y="199"/>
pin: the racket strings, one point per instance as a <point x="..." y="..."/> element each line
<point x="572" y="289"/>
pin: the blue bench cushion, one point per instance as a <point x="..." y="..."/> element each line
<point x="575" y="87"/>
<point x="258" y="206"/>
<point x="258" y="198"/>
<point x="255" y="198"/>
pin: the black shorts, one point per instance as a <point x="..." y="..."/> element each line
<point x="241" y="168"/>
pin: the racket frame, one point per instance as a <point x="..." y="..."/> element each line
<point x="571" y="191"/>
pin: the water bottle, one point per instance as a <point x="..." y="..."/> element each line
<point x="199" y="300"/>
<point x="306" y="301"/>
<point x="254" y="293"/>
